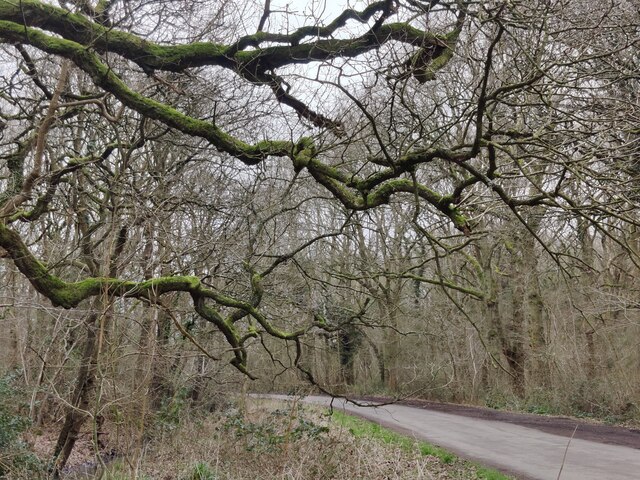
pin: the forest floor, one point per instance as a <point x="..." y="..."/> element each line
<point x="268" y="439"/>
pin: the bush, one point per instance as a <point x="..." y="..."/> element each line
<point x="277" y="429"/>
<point x="201" y="471"/>
<point x="15" y="458"/>
<point x="170" y="413"/>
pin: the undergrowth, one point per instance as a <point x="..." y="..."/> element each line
<point x="271" y="440"/>
<point x="15" y="458"/>
<point x="583" y="403"/>
<point x="275" y="440"/>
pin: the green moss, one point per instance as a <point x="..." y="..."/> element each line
<point x="327" y="171"/>
<point x="458" y="219"/>
<point x="192" y="54"/>
<point x="381" y="194"/>
<point x="405" y="32"/>
<point x="305" y="151"/>
<point x="104" y="77"/>
<point x="69" y="295"/>
<point x="15" y="164"/>
<point x="162" y="285"/>
<point x="258" y="290"/>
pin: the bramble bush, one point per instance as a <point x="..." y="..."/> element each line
<point x="15" y="456"/>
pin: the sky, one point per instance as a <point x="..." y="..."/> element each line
<point x="326" y="10"/>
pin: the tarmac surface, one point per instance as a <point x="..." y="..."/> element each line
<point x="530" y="447"/>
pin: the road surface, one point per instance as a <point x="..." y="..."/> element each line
<point x="525" y="453"/>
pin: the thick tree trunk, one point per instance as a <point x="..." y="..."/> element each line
<point x="391" y="351"/>
<point x="348" y="342"/>
<point x="539" y="370"/>
<point x="77" y="411"/>
<point x="516" y="359"/>
<point x="513" y="345"/>
<point x="379" y="359"/>
<point x="160" y="387"/>
<point x="13" y="358"/>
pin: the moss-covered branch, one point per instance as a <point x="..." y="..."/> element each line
<point x="15" y="165"/>
<point x="152" y="56"/>
<point x="82" y="37"/>
<point x="378" y="189"/>
<point x="70" y="294"/>
<point x="104" y="77"/>
<point x="247" y="56"/>
<point x="369" y="193"/>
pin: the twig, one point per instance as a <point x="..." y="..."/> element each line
<point x="184" y="332"/>
<point x="566" y="450"/>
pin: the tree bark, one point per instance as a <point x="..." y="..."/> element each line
<point x="77" y="412"/>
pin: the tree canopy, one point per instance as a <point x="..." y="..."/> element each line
<point x="154" y="147"/>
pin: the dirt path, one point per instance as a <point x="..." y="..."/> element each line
<point x="515" y="444"/>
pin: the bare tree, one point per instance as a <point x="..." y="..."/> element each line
<point x="205" y="165"/>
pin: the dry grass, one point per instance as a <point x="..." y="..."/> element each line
<point x="269" y="440"/>
<point x="265" y="439"/>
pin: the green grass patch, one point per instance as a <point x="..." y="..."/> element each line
<point x="363" y="428"/>
<point x="488" y="474"/>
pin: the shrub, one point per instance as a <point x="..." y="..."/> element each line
<point x="274" y="431"/>
<point x="15" y="458"/>
<point x="201" y="471"/>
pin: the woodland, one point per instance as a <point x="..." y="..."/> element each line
<point x="427" y="198"/>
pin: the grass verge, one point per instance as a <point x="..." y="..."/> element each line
<point x="360" y="428"/>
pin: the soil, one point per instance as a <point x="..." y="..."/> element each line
<point x="564" y="426"/>
<point x="82" y="464"/>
